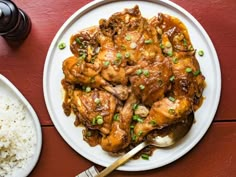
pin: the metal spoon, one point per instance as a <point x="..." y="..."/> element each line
<point x="174" y="134"/>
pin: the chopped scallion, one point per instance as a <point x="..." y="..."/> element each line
<point x="149" y="41"/>
<point x="171" y="98"/>
<point x="106" y="63"/>
<point x="196" y="73"/>
<point x="188" y="70"/>
<point x="145" y="156"/>
<point x="135" y="106"/>
<point x="146" y="72"/>
<point x="116" y="117"/>
<point x="62" y="45"/>
<point x="172" y="78"/>
<point x="128" y="37"/>
<point x="139" y="71"/>
<point x="142" y="87"/>
<point x="119" y="56"/>
<point x="87" y="89"/>
<point x="97" y="101"/>
<point x="201" y="53"/>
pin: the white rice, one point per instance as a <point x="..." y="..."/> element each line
<point x="17" y="137"/>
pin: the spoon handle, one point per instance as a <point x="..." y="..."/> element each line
<point x="122" y="160"/>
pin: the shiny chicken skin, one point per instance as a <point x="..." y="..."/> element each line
<point x="143" y="72"/>
<point x="163" y="113"/>
<point x="90" y="107"/>
<point x="119" y="137"/>
<point x="187" y="82"/>
<point x="78" y="71"/>
<point x="151" y="82"/>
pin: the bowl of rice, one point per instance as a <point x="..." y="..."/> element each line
<point x="20" y="132"/>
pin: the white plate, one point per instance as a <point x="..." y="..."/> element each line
<point x="89" y="15"/>
<point x="9" y="91"/>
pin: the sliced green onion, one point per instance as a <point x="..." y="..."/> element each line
<point x="137" y="118"/>
<point x="146" y="72"/>
<point x="135" y="106"/>
<point x="188" y="70"/>
<point x="100" y="121"/>
<point x="94" y="121"/>
<point x="140" y="133"/>
<point x="201" y="53"/>
<point x="62" y="45"/>
<point x="119" y="56"/>
<point x="106" y="63"/>
<point x="185" y="42"/>
<point x="161" y="46"/>
<point x="172" y="78"/>
<point x="153" y="122"/>
<point x="171" y="98"/>
<point x="149" y="41"/>
<point x="145" y="156"/>
<point x="142" y="87"/>
<point x="116" y="117"/>
<point x="128" y="37"/>
<point x="87" y="89"/>
<point x="83" y="56"/>
<point x="97" y="101"/>
<point x="170" y="53"/>
<point x="139" y="71"/>
<point x="134" y="137"/>
<point x="78" y="40"/>
<point x="175" y="60"/>
<point x="196" y="73"/>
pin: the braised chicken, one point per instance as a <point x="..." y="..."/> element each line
<point x="78" y="71"/>
<point x="150" y="82"/>
<point x="130" y="76"/>
<point x="163" y="113"/>
<point x="94" y="109"/>
<point x="119" y="137"/>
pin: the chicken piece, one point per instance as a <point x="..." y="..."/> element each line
<point x="150" y="83"/>
<point x="78" y="71"/>
<point x="119" y="137"/>
<point x="188" y="80"/>
<point x="95" y="109"/>
<point x="112" y="61"/>
<point x="84" y="44"/>
<point x="134" y="38"/>
<point x="172" y="28"/>
<point x="163" y="113"/>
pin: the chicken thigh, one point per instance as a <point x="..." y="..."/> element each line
<point x="94" y="109"/>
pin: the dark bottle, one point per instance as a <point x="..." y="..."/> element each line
<point x="15" y="25"/>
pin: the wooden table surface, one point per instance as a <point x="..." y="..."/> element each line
<point x="213" y="156"/>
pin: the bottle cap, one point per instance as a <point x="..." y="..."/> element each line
<point x="9" y="17"/>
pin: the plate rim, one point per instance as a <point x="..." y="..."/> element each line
<point x="99" y="3"/>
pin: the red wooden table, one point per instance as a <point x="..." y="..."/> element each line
<point x="213" y="156"/>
